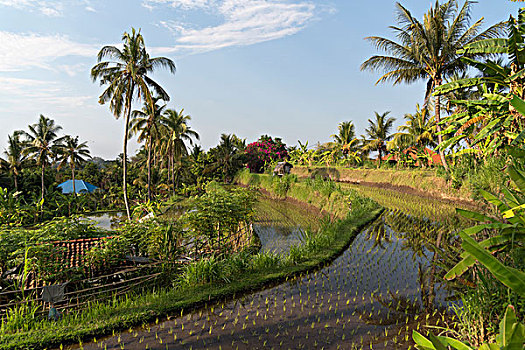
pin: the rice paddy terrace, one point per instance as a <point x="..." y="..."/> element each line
<point x="371" y="297"/>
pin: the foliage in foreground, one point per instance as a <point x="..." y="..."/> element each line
<point x="511" y="336"/>
<point x="501" y="252"/>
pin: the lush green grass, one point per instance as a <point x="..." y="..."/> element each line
<point x="209" y="282"/>
<point x="421" y="207"/>
<point x="325" y="195"/>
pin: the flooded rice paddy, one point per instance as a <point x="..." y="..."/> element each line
<point x="107" y="220"/>
<point x="371" y="297"/>
<point x="280" y="225"/>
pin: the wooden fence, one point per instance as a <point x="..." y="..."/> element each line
<point x="141" y="275"/>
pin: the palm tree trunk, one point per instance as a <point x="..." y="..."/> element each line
<point x="173" y="172"/>
<point x="16" y="182"/>
<point x="127" y="112"/>
<point x="149" y="166"/>
<point x="379" y="158"/>
<point x="42" y="181"/>
<point x="168" y="164"/>
<point x="73" y="177"/>
<point x="438" y="126"/>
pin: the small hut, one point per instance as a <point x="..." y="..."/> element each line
<point x="282" y="168"/>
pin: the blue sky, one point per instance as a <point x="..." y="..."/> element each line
<point x="287" y="68"/>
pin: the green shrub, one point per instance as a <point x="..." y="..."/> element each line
<point x="201" y="272"/>
<point x="265" y="261"/>
<point x="282" y="184"/>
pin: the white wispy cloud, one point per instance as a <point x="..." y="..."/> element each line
<point x="47" y="8"/>
<point x="244" y="22"/>
<point x="44" y="95"/>
<point x="24" y="51"/>
<point x="72" y="69"/>
<point x="182" y="4"/>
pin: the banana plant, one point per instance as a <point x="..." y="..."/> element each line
<point x="494" y="72"/>
<point x="484" y="125"/>
<point x="510" y="236"/>
<point x="494" y="120"/>
<point x="510" y="230"/>
<point x="511" y="337"/>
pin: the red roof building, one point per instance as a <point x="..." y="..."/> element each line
<point x="432" y="156"/>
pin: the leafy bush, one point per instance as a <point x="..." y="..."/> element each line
<point x="281" y="184"/>
<point x="324" y="186"/>
<point x="265" y="261"/>
<point x="201" y="272"/>
<point x="219" y="212"/>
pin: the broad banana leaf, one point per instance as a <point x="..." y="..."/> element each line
<point x="519" y="138"/>
<point x="457" y="85"/>
<point x="487" y="46"/>
<point x="517" y="177"/>
<point x="518" y="103"/>
<point x="492" y="199"/>
<point x="496" y="97"/>
<point x="510" y="198"/>
<point x="493" y="244"/>
<point x="505" y="326"/>
<point x="512" y="278"/>
<point x="509" y="214"/>
<point x="452" y="141"/>
<point x="473" y="215"/>
<point x="489" y="347"/>
<point x="466" y="151"/>
<point x="489" y="129"/>
<point x="422" y="342"/>
<point x="515" y="76"/>
<point x="437" y="343"/>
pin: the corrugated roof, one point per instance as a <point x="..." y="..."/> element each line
<point x="81" y="186"/>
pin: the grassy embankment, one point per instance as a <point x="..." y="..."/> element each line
<point x="211" y="281"/>
<point x="424" y="181"/>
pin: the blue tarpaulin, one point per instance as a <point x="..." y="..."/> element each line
<point x="81" y="186"/>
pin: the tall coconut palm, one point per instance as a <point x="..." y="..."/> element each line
<point x="15" y="157"/>
<point x="126" y="74"/>
<point x="419" y="130"/>
<point x="345" y="136"/>
<point x="73" y="153"/>
<point x="429" y="50"/>
<point x="379" y="133"/>
<point x="42" y="144"/>
<point x="176" y="131"/>
<point x="145" y="124"/>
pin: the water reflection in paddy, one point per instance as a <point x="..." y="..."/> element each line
<point x="107" y="220"/>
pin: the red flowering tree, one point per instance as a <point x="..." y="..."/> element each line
<point x="263" y="152"/>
